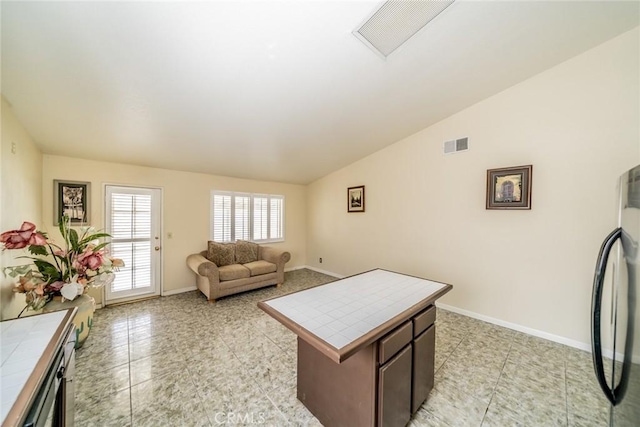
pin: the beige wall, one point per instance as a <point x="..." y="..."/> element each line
<point x="577" y="124"/>
<point x="186" y="198"/>
<point x="20" y="198"/>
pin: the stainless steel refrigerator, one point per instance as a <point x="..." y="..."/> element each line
<point x="615" y="317"/>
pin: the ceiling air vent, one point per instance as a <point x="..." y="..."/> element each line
<point x="396" y="21"/>
<point x="456" y="145"/>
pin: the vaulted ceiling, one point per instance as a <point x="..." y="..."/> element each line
<point x="268" y="90"/>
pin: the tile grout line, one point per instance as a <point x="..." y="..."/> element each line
<point x="254" y="381"/>
<point x="130" y="379"/>
<point x="267" y="394"/>
<point x="199" y="394"/>
<point x="450" y="353"/>
<point x="497" y="381"/>
<point x="566" y="390"/>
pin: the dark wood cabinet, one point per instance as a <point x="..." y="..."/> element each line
<point x="338" y="394"/>
<point x="423" y="364"/>
<point x="367" y="364"/>
<point x="394" y="390"/>
<point x="386" y="382"/>
<point x="403" y="388"/>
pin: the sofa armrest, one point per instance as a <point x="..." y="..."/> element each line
<point x="202" y="266"/>
<point x="273" y="255"/>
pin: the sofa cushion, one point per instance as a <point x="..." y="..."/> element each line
<point x="246" y="252"/>
<point x="233" y="272"/>
<point x="261" y="267"/>
<point x="221" y="254"/>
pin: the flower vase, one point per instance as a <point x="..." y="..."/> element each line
<point x="84" y="317"/>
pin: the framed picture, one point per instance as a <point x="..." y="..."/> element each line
<point x="71" y="198"/>
<point x="355" y="199"/>
<point x="509" y="188"/>
<point x="633" y="188"/>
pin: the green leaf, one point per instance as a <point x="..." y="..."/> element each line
<point x="63" y="226"/>
<point x="47" y="269"/>
<point x="100" y="246"/>
<point x="15" y="271"/>
<point x="73" y="238"/>
<point x="95" y="236"/>
<point x="37" y="250"/>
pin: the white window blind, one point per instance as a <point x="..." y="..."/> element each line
<point x="130" y="231"/>
<point x="221" y="222"/>
<point x="276" y="215"/>
<point x="260" y="218"/>
<point x="242" y="216"/>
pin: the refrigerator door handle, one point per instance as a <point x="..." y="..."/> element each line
<point x="596" y="312"/>
<point x="630" y="249"/>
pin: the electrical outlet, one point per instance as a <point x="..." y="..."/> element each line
<point x="320" y="260"/>
<point x="13" y="148"/>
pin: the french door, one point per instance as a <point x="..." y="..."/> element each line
<point x="133" y="220"/>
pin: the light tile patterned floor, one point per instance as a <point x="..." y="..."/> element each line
<point x="179" y="361"/>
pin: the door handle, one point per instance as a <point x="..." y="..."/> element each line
<point x="596" y="305"/>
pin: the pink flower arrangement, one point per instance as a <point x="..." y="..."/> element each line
<point x="67" y="271"/>
<point x="26" y="235"/>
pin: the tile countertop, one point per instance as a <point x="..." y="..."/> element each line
<point x="22" y="344"/>
<point x="342" y="312"/>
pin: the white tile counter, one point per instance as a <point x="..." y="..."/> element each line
<point x="23" y="343"/>
<point x="341" y="312"/>
<point x="341" y="317"/>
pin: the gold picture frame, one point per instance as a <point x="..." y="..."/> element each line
<point x="509" y="188"/>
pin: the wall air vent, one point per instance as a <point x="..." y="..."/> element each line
<point x="456" y="145"/>
<point x="396" y="21"/>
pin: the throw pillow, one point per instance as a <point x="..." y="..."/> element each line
<point x="246" y="252"/>
<point x="221" y="254"/>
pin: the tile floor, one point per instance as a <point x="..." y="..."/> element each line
<point x="179" y="361"/>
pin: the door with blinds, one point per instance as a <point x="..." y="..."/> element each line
<point x="133" y="221"/>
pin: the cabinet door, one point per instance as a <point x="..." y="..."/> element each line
<point x="394" y="390"/>
<point x="423" y="363"/>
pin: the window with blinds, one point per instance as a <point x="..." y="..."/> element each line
<point x="244" y="216"/>
<point x="131" y="240"/>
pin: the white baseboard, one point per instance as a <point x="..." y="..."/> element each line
<point x="530" y="331"/>
<point x="179" y="291"/>
<point x="318" y="270"/>
<point x="537" y="333"/>
<point x="300" y="267"/>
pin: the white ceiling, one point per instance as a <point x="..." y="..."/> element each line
<point x="269" y="90"/>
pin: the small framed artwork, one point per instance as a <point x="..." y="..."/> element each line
<point x="509" y="188"/>
<point x="355" y="199"/>
<point x="71" y="198"/>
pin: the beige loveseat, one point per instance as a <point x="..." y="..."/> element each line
<point x="229" y="268"/>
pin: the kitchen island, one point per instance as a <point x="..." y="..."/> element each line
<point x="365" y="346"/>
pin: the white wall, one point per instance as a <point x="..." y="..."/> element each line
<point x="577" y="124"/>
<point x="20" y="198"/>
<point x="186" y="199"/>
